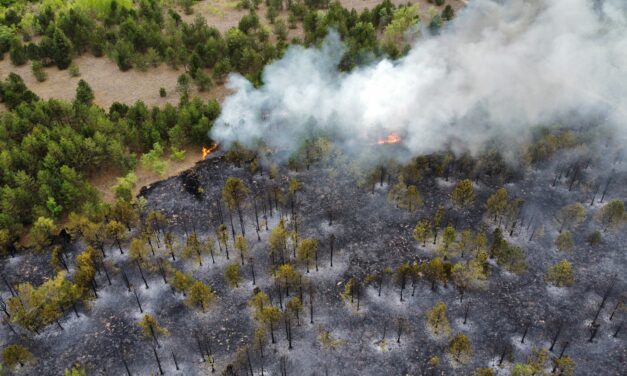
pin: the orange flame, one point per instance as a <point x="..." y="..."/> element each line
<point x="209" y="150"/>
<point x="392" y="138"/>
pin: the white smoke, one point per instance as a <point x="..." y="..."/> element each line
<point x="494" y="72"/>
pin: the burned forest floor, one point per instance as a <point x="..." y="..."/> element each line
<point x="359" y="312"/>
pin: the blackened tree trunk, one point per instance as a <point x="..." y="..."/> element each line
<point x="311" y="309"/>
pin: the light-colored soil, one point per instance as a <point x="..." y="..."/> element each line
<point x="108" y="82"/>
<point x="223" y="15"/>
<point x="105" y="181"/>
<point x="423" y="5"/>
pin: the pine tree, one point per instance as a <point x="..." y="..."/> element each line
<point x="62" y="49"/>
<point x="84" y="94"/>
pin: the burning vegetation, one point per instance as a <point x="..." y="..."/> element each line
<point x="208" y="150"/>
<point x="392" y="138"/>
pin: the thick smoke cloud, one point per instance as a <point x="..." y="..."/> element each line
<point x="496" y="71"/>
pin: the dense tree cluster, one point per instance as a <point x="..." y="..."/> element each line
<point x="50" y="149"/>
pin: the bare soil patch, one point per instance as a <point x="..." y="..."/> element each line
<point x="108" y="82"/>
<point x="105" y="181"/>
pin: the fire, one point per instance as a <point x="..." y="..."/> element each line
<point x="392" y="138"/>
<point x="209" y="150"/>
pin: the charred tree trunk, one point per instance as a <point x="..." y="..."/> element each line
<point x="141" y="310"/>
<point x="158" y="361"/>
<point x="252" y="269"/>
<point x="141" y="272"/>
<point x="311" y="309"/>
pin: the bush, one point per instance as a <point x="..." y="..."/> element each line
<point x="18" y="53"/>
<point x="73" y="70"/>
<point x="162" y="93"/>
<point x="177" y="155"/>
<point x="153" y="159"/>
<point x="594" y="238"/>
<point x="38" y="71"/>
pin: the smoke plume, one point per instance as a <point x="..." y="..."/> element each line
<point x="496" y="71"/>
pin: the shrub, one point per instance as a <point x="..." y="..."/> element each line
<point x="594" y="238"/>
<point x="38" y="71"/>
<point x="162" y="93"/>
<point x="73" y="70"/>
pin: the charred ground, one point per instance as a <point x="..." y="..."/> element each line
<point x="372" y="239"/>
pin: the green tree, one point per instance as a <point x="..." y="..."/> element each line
<point x="497" y="203"/>
<point x="307" y="250"/>
<point x="612" y="214"/>
<point x="570" y="216"/>
<point x="18" y="53"/>
<point x="564" y="366"/>
<point x="512" y="258"/>
<point x="116" y="231"/>
<point x="594" y="238"/>
<point x="241" y="244"/>
<point x="448" y="238"/>
<point x="422" y="231"/>
<point x="137" y="250"/>
<point x="286" y="275"/>
<point x="76" y="370"/>
<point x="182" y="85"/>
<point x="181" y="281"/>
<point x="5" y="241"/>
<point x="233" y="274"/>
<point x="564" y="241"/>
<point x="437" y="320"/>
<point x="463" y="194"/>
<point x="39" y="306"/>
<point x="460" y="348"/>
<point x="84" y="94"/>
<point x="403" y="19"/>
<point x="484" y="372"/>
<point x="223" y="238"/>
<point x="560" y="274"/>
<point x="193" y="248"/>
<point x="448" y="13"/>
<point x="41" y="232"/>
<point x="200" y="295"/>
<point x="277" y="241"/>
<point x="62" y="49"/>
<point x="12" y="355"/>
<point x="435" y="271"/>
<point x="294" y="306"/>
<point x="38" y="71"/>
<point x="413" y="200"/>
<point x="398" y="192"/>
<point x="150" y="326"/>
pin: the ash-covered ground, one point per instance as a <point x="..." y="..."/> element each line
<point x="370" y="234"/>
